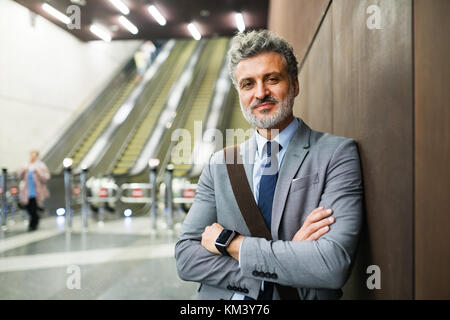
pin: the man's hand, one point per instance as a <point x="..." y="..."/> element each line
<point x="209" y="237"/>
<point x="316" y="225"/>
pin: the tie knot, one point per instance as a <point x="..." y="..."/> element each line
<point x="272" y="145"/>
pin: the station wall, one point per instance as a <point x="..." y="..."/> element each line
<point x="47" y="78"/>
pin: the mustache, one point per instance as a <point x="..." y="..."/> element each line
<point x="265" y="99"/>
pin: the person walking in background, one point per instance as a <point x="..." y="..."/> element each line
<point x="141" y="62"/>
<point x="33" y="189"/>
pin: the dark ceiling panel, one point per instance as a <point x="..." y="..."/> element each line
<point x="219" y="21"/>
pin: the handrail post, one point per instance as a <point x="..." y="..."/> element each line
<point x="154" y="207"/>
<point x="84" y="202"/>
<point x="68" y="192"/>
<point x="4" y="200"/>
<point x="169" y="196"/>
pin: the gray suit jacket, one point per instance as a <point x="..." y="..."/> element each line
<point x="319" y="169"/>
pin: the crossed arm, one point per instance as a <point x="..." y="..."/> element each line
<point x="316" y="225"/>
<point x="316" y="257"/>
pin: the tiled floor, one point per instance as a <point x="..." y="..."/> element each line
<point x="121" y="259"/>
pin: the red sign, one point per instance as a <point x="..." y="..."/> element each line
<point x="137" y="193"/>
<point x="76" y="190"/>
<point x="103" y="193"/>
<point x="188" y="193"/>
<point x="14" y="190"/>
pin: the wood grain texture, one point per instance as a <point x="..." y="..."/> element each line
<point x="432" y="148"/>
<point x="373" y="103"/>
<point x="358" y="83"/>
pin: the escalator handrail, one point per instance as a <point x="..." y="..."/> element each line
<point x="213" y="117"/>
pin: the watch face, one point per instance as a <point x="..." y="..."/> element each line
<point x="224" y="235"/>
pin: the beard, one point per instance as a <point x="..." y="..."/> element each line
<point x="266" y="121"/>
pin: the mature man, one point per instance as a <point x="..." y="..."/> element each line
<point x="298" y="178"/>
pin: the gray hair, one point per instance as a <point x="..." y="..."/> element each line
<point x="249" y="44"/>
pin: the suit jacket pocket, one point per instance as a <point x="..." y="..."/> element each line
<point x="303" y="182"/>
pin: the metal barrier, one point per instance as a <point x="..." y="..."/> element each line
<point x="100" y="191"/>
<point x="68" y="193"/>
<point x="4" y="203"/>
<point x="169" y="196"/>
<point x="105" y="192"/>
<point x="9" y="197"/>
<point x="136" y="193"/>
<point x="84" y="201"/>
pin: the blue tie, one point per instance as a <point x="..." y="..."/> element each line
<point x="267" y="186"/>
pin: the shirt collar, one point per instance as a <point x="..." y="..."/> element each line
<point x="283" y="138"/>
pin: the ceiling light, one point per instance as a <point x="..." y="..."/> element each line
<point x="194" y="31"/>
<point x="157" y="15"/>
<point x="55" y="13"/>
<point x="239" y="22"/>
<point x="128" y="25"/>
<point x="120" y="6"/>
<point x="100" y="32"/>
<point x="205" y="13"/>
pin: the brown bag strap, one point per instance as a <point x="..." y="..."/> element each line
<point x="249" y="208"/>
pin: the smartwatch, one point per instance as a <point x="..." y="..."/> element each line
<point x="224" y="239"/>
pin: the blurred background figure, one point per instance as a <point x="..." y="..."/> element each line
<point x="141" y="62"/>
<point x="33" y="188"/>
<point x="144" y="56"/>
<point x="150" y="52"/>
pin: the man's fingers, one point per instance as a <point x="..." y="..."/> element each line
<point x="316" y="235"/>
<point x="320" y="226"/>
<point x="319" y="214"/>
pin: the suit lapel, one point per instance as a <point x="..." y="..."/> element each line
<point x="296" y="152"/>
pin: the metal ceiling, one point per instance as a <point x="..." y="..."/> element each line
<point x="212" y="17"/>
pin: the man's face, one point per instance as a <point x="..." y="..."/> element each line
<point x="266" y="90"/>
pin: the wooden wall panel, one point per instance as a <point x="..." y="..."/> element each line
<point x="296" y="21"/>
<point x="372" y="102"/>
<point x="314" y="104"/>
<point x="432" y="148"/>
<point x="358" y="83"/>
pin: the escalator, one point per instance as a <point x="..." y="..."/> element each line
<point x="76" y="134"/>
<point x="101" y="124"/>
<point x="134" y="109"/>
<point x="144" y="128"/>
<point x="237" y="122"/>
<point x="199" y="108"/>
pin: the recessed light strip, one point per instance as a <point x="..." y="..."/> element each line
<point x="100" y="32"/>
<point x="128" y="25"/>
<point x="120" y="6"/>
<point x="157" y="15"/>
<point x="194" y="31"/>
<point x="239" y="21"/>
<point x="55" y="13"/>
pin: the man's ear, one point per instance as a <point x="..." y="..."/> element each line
<point x="296" y="86"/>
